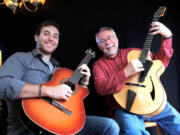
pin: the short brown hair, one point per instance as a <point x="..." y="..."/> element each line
<point x="47" y="23"/>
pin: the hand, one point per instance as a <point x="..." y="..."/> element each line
<point x="61" y="91"/>
<point x="84" y="69"/>
<point x="134" y="66"/>
<point x="149" y="56"/>
<point x="159" y="28"/>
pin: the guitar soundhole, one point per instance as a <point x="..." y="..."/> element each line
<point x="74" y="88"/>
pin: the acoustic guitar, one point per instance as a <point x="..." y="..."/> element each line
<point x="143" y="93"/>
<point x="45" y="116"/>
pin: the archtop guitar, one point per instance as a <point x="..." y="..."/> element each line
<point x="143" y="93"/>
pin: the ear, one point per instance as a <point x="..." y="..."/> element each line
<point x="36" y="37"/>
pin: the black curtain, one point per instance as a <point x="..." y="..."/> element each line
<point x="79" y="21"/>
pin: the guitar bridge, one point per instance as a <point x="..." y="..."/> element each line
<point x="135" y="84"/>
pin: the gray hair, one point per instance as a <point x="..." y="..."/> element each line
<point x="103" y="29"/>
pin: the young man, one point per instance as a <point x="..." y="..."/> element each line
<point x="23" y="72"/>
<point x="111" y="71"/>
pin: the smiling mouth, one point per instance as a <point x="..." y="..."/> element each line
<point x="49" y="44"/>
<point x="110" y="45"/>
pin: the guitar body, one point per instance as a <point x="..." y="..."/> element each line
<point x="151" y="98"/>
<point x="37" y="114"/>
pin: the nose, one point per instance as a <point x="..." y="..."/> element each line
<point x="50" y="37"/>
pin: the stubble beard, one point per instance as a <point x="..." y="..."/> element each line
<point x="46" y="52"/>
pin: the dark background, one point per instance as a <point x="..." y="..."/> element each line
<point x="79" y="21"/>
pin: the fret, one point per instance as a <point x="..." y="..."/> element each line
<point x="149" y="38"/>
<point x="76" y="76"/>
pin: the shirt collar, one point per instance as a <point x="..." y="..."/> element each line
<point x="54" y="62"/>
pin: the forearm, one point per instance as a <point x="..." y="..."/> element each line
<point x="29" y="91"/>
<point x="165" y="52"/>
<point x="34" y="91"/>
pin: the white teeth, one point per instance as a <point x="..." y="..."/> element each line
<point x="49" y="44"/>
<point x="110" y="45"/>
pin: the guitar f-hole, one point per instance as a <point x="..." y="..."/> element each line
<point x="153" y="91"/>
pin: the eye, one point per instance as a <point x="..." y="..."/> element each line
<point x="46" y="33"/>
<point x="102" y="41"/>
<point x="56" y="36"/>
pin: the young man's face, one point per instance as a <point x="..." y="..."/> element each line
<point x="108" y="43"/>
<point x="48" y="39"/>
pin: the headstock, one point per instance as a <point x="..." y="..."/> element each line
<point x="160" y="12"/>
<point x="91" y="52"/>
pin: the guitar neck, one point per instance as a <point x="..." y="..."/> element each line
<point x="76" y="76"/>
<point x="148" y="42"/>
<point x="146" y="48"/>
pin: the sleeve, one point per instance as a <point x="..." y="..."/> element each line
<point x="10" y="76"/>
<point x="165" y="52"/>
<point x="107" y="84"/>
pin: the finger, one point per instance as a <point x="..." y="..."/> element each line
<point x="138" y="63"/>
<point x="84" y="72"/>
<point x="66" y="87"/>
<point x="139" y="66"/>
<point x="155" y="32"/>
<point x="83" y="66"/>
<point x="65" y="97"/>
<point x="84" y="69"/>
<point x="155" y="24"/>
<point x="69" y="91"/>
<point x="68" y="95"/>
<point x="154" y="28"/>
<point x="140" y="69"/>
